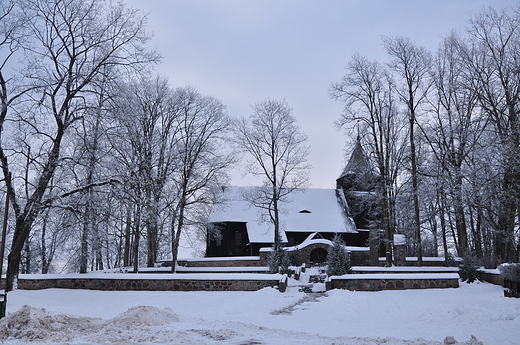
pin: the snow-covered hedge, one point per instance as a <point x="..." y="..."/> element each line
<point x="510" y="271"/>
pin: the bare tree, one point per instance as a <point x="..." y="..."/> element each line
<point x="279" y="155"/>
<point x="455" y="128"/>
<point x="492" y="59"/>
<point x="412" y="65"/>
<point x="203" y="160"/>
<point x="85" y="164"/>
<point x="70" y="45"/>
<point x="144" y="138"/>
<point x="368" y="94"/>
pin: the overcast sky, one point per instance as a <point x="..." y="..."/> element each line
<point x="244" y="51"/>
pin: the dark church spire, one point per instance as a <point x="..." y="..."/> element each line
<point x="360" y="184"/>
<point x="358" y="163"/>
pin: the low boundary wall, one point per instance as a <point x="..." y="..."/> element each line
<point x="236" y="261"/>
<point x="378" y="282"/>
<point x="402" y="269"/>
<point x="221" y="282"/>
<point x="492" y="276"/>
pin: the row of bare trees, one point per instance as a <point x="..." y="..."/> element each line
<point x="443" y="132"/>
<point x="103" y="165"/>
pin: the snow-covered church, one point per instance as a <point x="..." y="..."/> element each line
<point x="236" y="228"/>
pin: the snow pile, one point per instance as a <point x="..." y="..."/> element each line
<point x="144" y="316"/>
<point x="32" y="324"/>
<point x="151" y="325"/>
<point x="38" y="325"/>
<point x="142" y="324"/>
<point x="472" y="341"/>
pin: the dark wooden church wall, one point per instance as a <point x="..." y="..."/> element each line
<point x="228" y="239"/>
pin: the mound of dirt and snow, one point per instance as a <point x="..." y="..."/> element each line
<point x="30" y="324"/>
<point x="143" y="316"/>
<point x="151" y="325"/>
<point x="37" y="325"/>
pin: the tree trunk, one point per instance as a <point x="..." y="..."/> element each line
<point x="21" y="232"/>
<point x="442" y="215"/>
<point x="127" y="238"/>
<point x="386" y="218"/>
<point x="97" y="244"/>
<point x="27" y="250"/>
<point x="151" y="230"/>
<point x="276" y="223"/>
<point x="434" y="230"/>
<point x="44" y="259"/>
<point x="176" y="230"/>
<point x="25" y="219"/>
<point x="475" y="231"/>
<point x="137" y="231"/>
<point x="460" y="219"/>
<point x="417" y="219"/>
<point x="478" y="235"/>
<point x="83" y="264"/>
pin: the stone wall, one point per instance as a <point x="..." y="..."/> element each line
<point x="306" y="252"/>
<point x="147" y="284"/>
<point x="493" y="278"/>
<point x="390" y="284"/>
<point x="255" y="261"/>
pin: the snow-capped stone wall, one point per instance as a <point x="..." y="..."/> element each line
<point x="151" y="284"/>
<point x="378" y="282"/>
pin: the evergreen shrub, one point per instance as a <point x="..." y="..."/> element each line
<point x="274" y="260"/>
<point x="279" y="261"/>
<point x="285" y="262"/>
<point x="337" y="258"/>
<point x="468" y="270"/>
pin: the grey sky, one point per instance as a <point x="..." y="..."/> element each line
<point x="243" y="51"/>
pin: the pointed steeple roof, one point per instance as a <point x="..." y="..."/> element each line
<point x="358" y="163"/>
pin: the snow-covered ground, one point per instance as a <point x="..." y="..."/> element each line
<point x="437" y="316"/>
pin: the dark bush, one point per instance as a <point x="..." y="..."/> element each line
<point x="468" y="270"/>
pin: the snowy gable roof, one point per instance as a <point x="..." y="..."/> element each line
<point x="233" y="207"/>
<point x="307" y="210"/>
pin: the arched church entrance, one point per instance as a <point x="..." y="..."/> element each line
<point x="318" y="256"/>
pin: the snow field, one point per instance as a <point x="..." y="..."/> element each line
<point x="428" y="317"/>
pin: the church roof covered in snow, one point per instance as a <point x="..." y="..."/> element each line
<point x="306" y="210"/>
